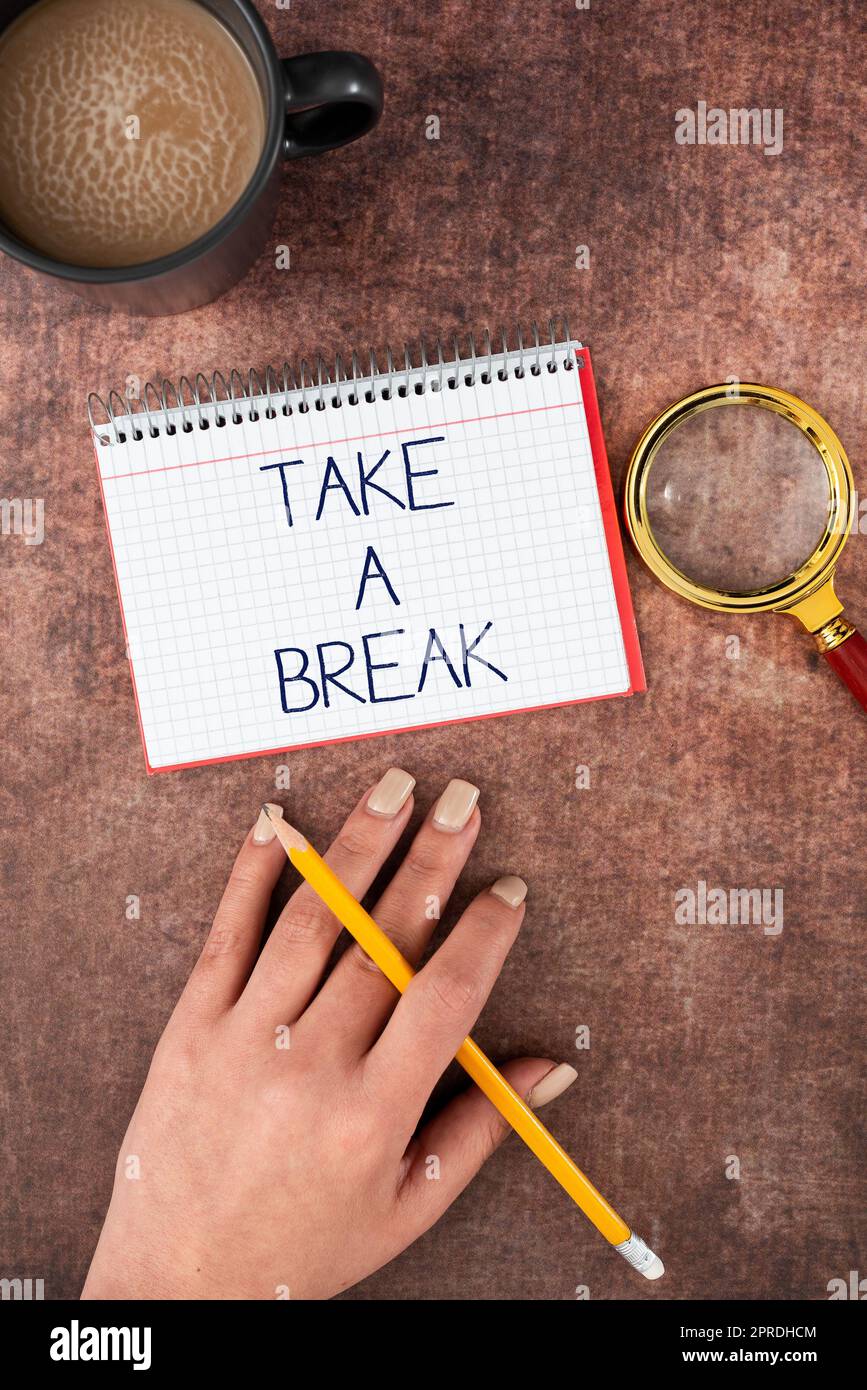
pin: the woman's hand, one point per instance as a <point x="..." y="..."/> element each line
<point x="274" y="1151"/>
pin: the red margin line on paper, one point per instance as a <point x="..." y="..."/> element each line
<point x="329" y="443"/>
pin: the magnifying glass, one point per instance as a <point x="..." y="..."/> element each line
<point x="740" y="498"/>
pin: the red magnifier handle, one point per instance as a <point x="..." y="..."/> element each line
<point x="849" y="660"/>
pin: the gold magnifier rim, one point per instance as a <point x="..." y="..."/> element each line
<point x="785" y="592"/>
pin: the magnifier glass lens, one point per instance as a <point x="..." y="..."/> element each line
<point x="737" y="497"/>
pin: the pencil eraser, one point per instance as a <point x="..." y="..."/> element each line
<point x="655" y="1269"/>
<point x="636" y="1253"/>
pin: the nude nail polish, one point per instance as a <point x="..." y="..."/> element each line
<point x="511" y="890"/>
<point x="552" y="1085"/>
<point x="390" y="793"/>
<point x="455" y="806"/>
<point x="264" y="831"/>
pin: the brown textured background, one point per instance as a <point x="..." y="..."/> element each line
<point x="557" y="129"/>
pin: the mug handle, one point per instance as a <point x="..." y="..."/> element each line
<point x="331" y="98"/>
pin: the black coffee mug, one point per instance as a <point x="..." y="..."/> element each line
<point x="313" y="103"/>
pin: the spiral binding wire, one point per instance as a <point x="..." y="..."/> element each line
<point x="220" y="400"/>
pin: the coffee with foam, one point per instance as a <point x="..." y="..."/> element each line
<point x="128" y="128"/>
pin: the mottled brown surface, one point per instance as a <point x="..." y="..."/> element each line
<point x="557" y="129"/>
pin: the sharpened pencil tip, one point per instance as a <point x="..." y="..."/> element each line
<point x="289" y="837"/>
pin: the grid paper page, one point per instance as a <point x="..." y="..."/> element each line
<point x="345" y="571"/>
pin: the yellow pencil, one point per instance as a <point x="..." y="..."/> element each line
<point x="384" y="954"/>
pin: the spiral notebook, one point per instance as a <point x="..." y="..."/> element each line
<point x="334" y="554"/>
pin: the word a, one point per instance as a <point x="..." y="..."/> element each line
<point x="738" y="126"/>
<point x="739" y="906"/>
<point x="76" y="1343"/>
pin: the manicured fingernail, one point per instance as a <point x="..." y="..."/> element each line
<point x="455" y="806"/>
<point x="511" y="890"/>
<point x="264" y="832"/>
<point x="390" y="794"/>
<point x="552" y="1085"/>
